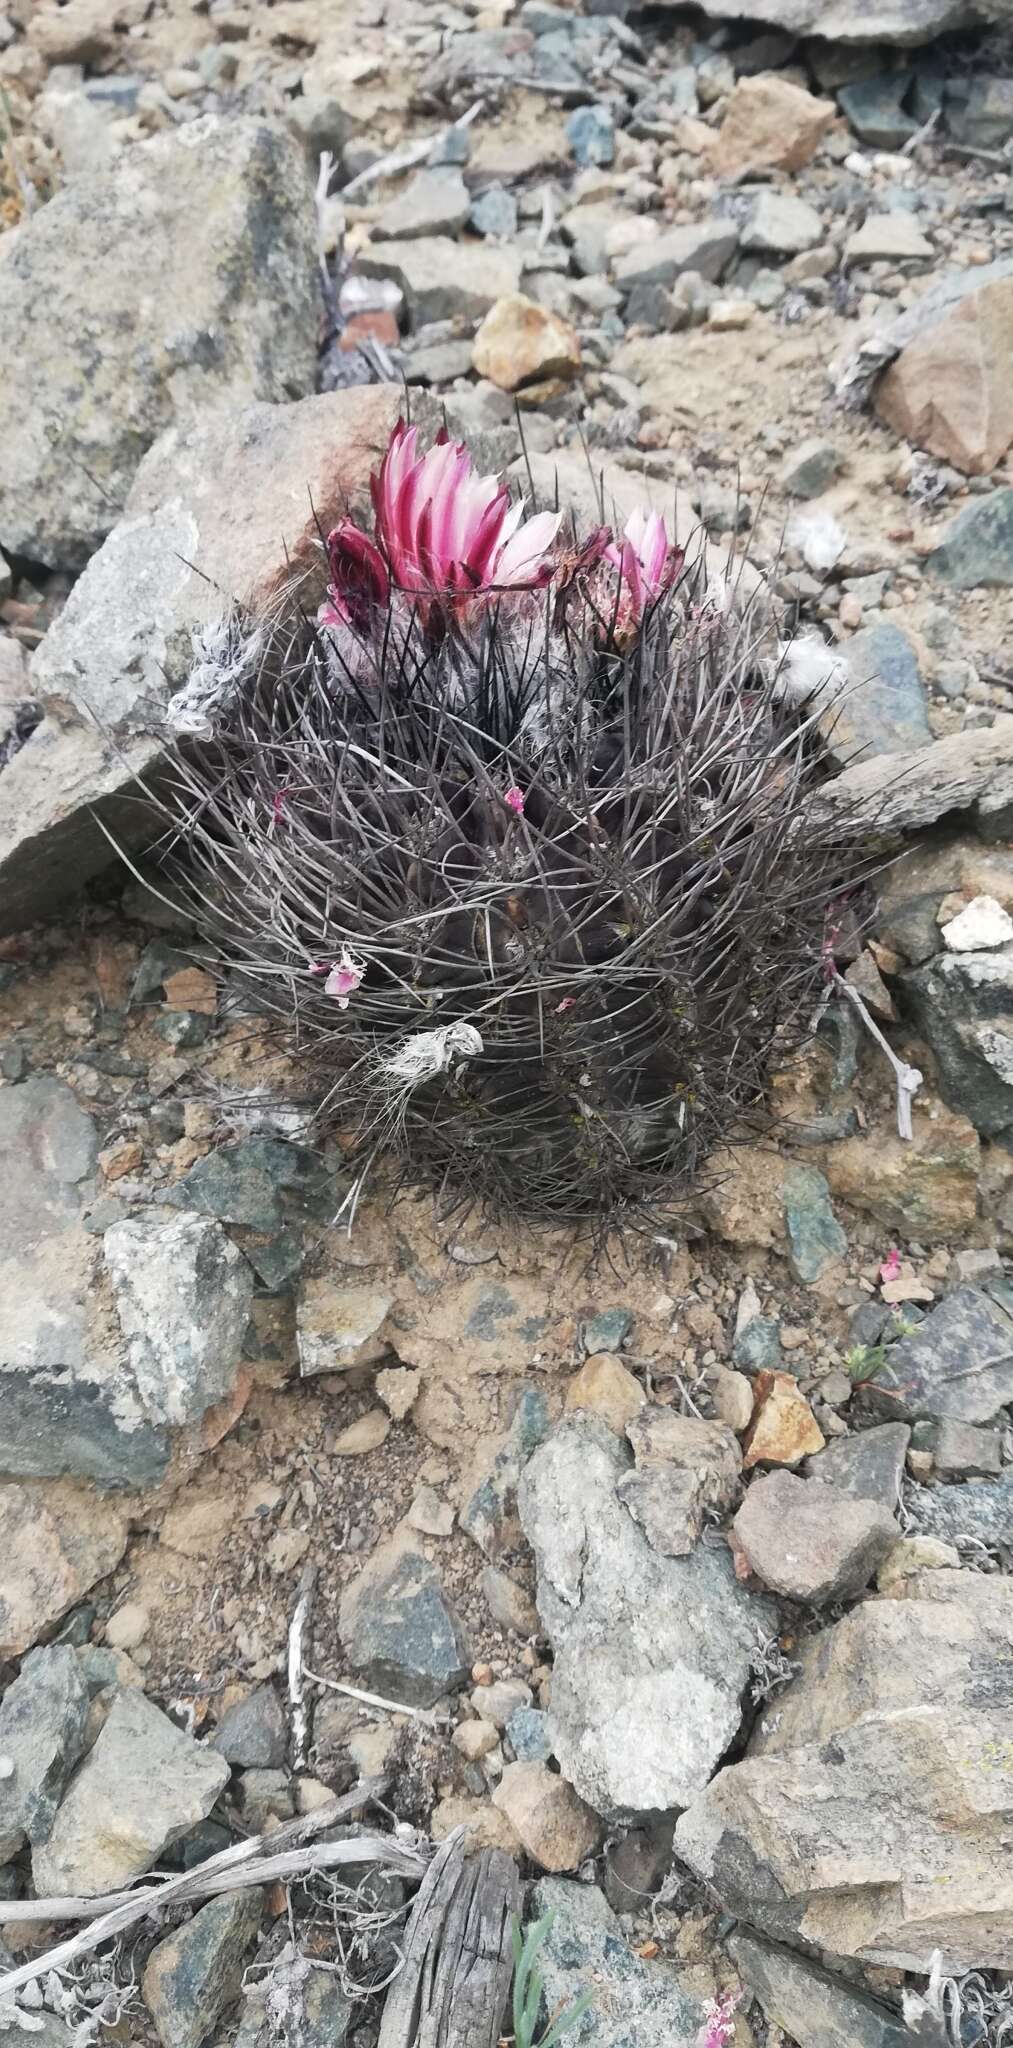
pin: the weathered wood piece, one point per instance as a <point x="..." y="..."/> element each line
<point x="901" y="792"/>
<point x="453" y="1987"/>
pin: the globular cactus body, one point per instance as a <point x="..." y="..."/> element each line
<point x="511" y="830"/>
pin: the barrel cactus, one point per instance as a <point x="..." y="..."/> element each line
<point x="506" y="823"/>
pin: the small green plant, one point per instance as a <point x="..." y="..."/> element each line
<point x="864" y="1361"/>
<point x="529" y="1987"/>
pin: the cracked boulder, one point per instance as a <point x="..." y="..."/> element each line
<point x="652" y="1653"/>
<point x="151" y="323"/>
<point x="872" y="1814"/>
<point x="226" y="508"/>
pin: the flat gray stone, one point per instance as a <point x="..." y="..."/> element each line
<point x="781" y="225"/>
<point x="183" y="1294"/>
<point x="652" y="1653"/>
<point x="42" y="1726"/>
<point x="254" y="1733"/>
<point x="398" y="1629"/>
<point x="957" y="1364"/>
<point x="434" y="202"/>
<point x="438" y="282"/>
<point x="704" y="246"/>
<point x="960" y="1450"/>
<point x="635" y="2004"/>
<point x="810" y="2004"/>
<point x="869" y="1815"/>
<point x="967" y="1516"/>
<point x="142" y="1786"/>
<point x="867" y="1466"/>
<point x="901" y="22"/>
<point x="810" y="468"/>
<point x="150" y="323"/>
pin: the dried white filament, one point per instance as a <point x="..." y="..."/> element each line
<point x="428" y="1053"/>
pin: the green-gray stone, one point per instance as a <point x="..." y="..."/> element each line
<point x="194" y="1975"/>
<point x="977" y="551"/>
<point x="634" y="2004"/>
<point x="818" y="2009"/>
<point x="608" y="1330"/>
<point x="962" y="1004"/>
<point x="814" y="1235"/>
<point x="757" y="1348"/>
<point x="42" y="1724"/>
<point x="399" y="1631"/>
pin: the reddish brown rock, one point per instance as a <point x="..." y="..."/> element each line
<point x="950" y="389"/>
<point x="770" y="124"/>
<point x="521" y="343"/>
<point x="784" y="1428"/>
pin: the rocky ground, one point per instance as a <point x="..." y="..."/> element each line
<point x="686" y="1566"/>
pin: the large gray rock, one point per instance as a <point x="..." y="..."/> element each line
<point x="65" y="1406"/>
<point x="399" y="1631"/>
<point x="853" y="21"/>
<point x="634" y="2004"/>
<point x="959" y="773"/>
<point x="183" y="1295"/>
<point x="810" y="2004"/>
<point x="42" y="1726"/>
<point x="957" y="1364"/>
<point x="962" y="1003"/>
<point x="871" y="1815"/>
<point x="441" y="281"/>
<point x="150" y="322"/>
<point x="142" y="1786"/>
<point x="227" y="509"/>
<point x="653" y="1653"/>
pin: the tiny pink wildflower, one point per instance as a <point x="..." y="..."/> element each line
<point x="720" y="2020"/>
<point x="890" y="1268"/>
<point x="566" y="1004"/>
<point x="344" y="978"/>
<point x="515" y="798"/>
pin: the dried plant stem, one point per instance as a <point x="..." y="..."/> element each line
<point x="296" y="1667"/>
<point x="909" y="1079"/>
<point x="428" y="1715"/>
<point x="292" y="1853"/>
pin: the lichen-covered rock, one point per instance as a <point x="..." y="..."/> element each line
<point x="635" y="2004"/>
<point x="150" y="322"/>
<point x="957" y="1364"/>
<point x="183" y="1295"/>
<point x="194" y="1975"/>
<point x="871" y="1815"/>
<point x="652" y="1653"/>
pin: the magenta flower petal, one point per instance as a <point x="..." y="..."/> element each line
<point x="359" y="579"/>
<point x="446" y="531"/>
<point x="515" y="798"/>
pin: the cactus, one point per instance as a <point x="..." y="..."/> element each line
<point x="510" y="829"/>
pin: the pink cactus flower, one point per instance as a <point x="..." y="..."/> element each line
<point x="344" y="978"/>
<point x="446" y="530"/>
<point x="515" y="798"/>
<point x="359" y="580"/>
<point x="890" y="1268"/>
<point x="645" y="558"/>
<point x="720" y="2013"/>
